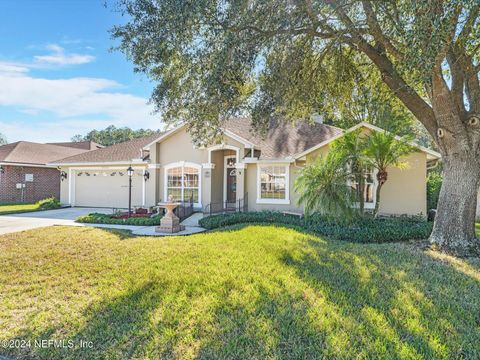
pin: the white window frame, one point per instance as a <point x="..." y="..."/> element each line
<point x="285" y="201"/>
<point x="368" y="205"/>
<point x="183" y="164"/>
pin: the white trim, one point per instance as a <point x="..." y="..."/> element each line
<point x="285" y="201"/>
<point x="240" y="166"/>
<point x="182" y="164"/>
<point x="106" y="167"/>
<point x="163" y="136"/>
<point x="223" y="147"/>
<point x="144" y="190"/>
<point x="268" y="161"/>
<point x="433" y="154"/>
<point x="154" y="166"/>
<point x="126" y="162"/>
<point x="208" y="165"/>
<point x="70" y="186"/>
<point x="225" y="160"/>
<point x="6" y="163"/>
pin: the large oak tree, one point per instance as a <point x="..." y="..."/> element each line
<point x="212" y="59"/>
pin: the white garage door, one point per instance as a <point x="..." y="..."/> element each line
<point x="107" y="188"/>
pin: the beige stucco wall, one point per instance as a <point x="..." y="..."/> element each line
<point x="217" y="176"/>
<point x="405" y="191"/>
<point x="64" y="189"/>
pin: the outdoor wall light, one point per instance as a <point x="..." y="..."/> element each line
<point x="63" y="175"/>
<point x="2" y="169"/>
<point x="146" y="175"/>
<point x="130" y="172"/>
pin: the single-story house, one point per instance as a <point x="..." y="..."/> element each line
<point x="24" y="173"/>
<point x="244" y="169"/>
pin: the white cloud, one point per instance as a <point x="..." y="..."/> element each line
<point x="59" y="57"/>
<point x="74" y="105"/>
<point x="12" y="68"/>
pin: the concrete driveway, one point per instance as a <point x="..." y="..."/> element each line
<point x="32" y="220"/>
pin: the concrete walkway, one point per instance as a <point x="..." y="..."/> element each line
<point x="33" y="220"/>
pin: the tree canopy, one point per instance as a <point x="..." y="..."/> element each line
<point x="113" y="135"/>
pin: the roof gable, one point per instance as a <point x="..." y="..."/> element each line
<point x="431" y="154"/>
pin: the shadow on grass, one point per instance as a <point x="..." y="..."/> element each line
<point x="416" y="306"/>
<point x="329" y="299"/>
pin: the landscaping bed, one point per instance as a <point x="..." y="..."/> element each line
<point x="120" y="219"/>
<point x="363" y="230"/>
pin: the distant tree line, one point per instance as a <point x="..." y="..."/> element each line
<point x="112" y="135"/>
<point x="3" y="139"/>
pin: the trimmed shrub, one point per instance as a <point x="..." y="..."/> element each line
<point x="434" y="183"/>
<point x="363" y="230"/>
<point x="97" y="218"/>
<point x="49" y="204"/>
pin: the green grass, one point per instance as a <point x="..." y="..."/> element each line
<point x="6" y="209"/>
<point x="250" y="292"/>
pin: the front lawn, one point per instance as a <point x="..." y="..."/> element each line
<point x="250" y="292"/>
<point x="6" y="209"/>
<point x="18" y="208"/>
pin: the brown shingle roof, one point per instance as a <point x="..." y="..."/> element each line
<point x="86" y="145"/>
<point x="125" y="151"/>
<point x="283" y="139"/>
<point x="26" y="152"/>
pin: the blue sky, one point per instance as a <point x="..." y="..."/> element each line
<point x="58" y="76"/>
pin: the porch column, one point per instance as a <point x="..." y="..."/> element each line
<point x="207" y="183"/>
<point x="240" y="167"/>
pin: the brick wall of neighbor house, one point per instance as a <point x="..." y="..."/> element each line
<point x="46" y="183"/>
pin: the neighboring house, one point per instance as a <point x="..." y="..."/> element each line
<point x="245" y="167"/>
<point x="24" y="173"/>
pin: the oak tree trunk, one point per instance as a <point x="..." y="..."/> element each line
<point x="454" y="227"/>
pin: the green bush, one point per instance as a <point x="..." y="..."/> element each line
<point x="97" y="218"/>
<point x="434" y="183"/>
<point x="364" y="230"/>
<point x="49" y="204"/>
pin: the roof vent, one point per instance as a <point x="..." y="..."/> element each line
<point x="316" y="117"/>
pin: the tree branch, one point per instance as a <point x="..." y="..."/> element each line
<point x="458" y="81"/>
<point x="409" y="97"/>
<point x="377" y="33"/>
<point x="468" y="26"/>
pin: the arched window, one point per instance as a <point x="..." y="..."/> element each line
<point x="182" y="181"/>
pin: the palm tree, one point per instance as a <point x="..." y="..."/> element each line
<point x="323" y="187"/>
<point x="384" y="150"/>
<point x="350" y="152"/>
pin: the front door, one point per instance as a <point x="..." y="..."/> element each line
<point x="231" y="184"/>
<point x="230" y="180"/>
